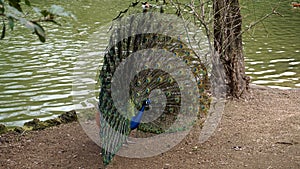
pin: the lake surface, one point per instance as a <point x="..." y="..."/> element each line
<point x="36" y="79"/>
<point x="272" y="48"/>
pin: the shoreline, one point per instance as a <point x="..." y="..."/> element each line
<point x="37" y="124"/>
<point x="261" y="130"/>
<point x="71" y="116"/>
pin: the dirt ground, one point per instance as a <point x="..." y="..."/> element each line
<point x="259" y="131"/>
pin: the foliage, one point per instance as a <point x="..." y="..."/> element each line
<point x="12" y="11"/>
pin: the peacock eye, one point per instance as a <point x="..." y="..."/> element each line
<point x="159" y="79"/>
<point x="148" y="80"/>
<point x="177" y="100"/>
<point x="138" y="83"/>
<point x="170" y="80"/>
<point x="186" y="61"/>
<point x="169" y="67"/>
<point x="180" y="72"/>
<point x="168" y="94"/>
<point x="157" y="65"/>
<point x="147" y="90"/>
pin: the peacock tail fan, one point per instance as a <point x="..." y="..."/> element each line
<point x="142" y="86"/>
<point x="157" y="78"/>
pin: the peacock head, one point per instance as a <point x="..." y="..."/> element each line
<point x="147" y="103"/>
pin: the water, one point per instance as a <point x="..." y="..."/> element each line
<point x="36" y="78"/>
<point x="272" y="48"/>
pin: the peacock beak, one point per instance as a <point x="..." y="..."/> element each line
<point x="147" y="107"/>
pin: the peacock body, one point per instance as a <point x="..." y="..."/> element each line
<point x="148" y="62"/>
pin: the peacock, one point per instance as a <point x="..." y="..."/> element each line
<point x="143" y="85"/>
<point x="136" y="120"/>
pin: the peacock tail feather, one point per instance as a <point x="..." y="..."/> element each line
<point x="124" y="41"/>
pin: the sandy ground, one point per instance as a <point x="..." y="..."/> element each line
<point x="259" y="131"/>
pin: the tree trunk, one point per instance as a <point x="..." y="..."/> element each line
<point x="228" y="45"/>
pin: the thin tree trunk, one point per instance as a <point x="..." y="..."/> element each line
<point x="228" y="45"/>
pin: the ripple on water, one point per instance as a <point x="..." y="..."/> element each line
<point x="255" y="62"/>
<point x="264" y="72"/>
<point x="16" y="74"/>
<point x="270" y="81"/>
<point x="279" y="87"/>
<point x="280" y="51"/>
<point x="15" y="87"/>
<point x="288" y="74"/>
<point x="49" y="97"/>
<point x="273" y="76"/>
<point x="294" y="63"/>
<point x="281" y="60"/>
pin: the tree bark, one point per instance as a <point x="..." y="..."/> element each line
<point x="228" y="45"/>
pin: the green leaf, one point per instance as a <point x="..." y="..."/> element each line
<point x="39" y="31"/>
<point x="12" y="11"/>
<point x="57" y="10"/>
<point x="27" y="2"/>
<point x="2" y="7"/>
<point x="27" y="24"/>
<point x="60" y="11"/>
<point x="15" y="4"/>
<point x="35" y="27"/>
<point x="11" y="22"/>
<point x="3" y="31"/>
